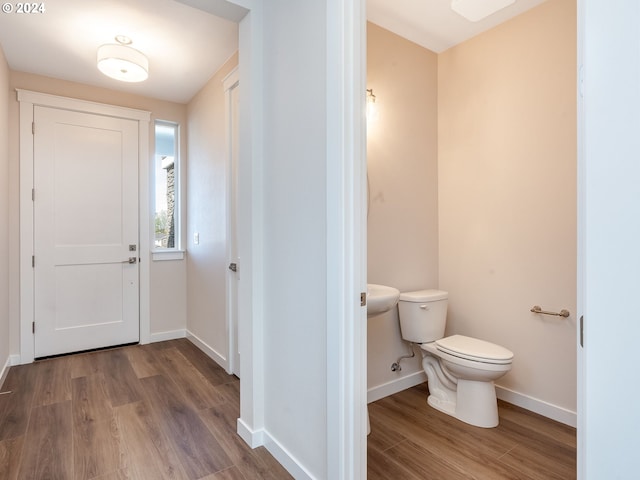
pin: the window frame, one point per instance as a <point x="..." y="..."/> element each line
<point x="176" y="252"/>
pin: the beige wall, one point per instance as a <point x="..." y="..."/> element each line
<point x="507" y="194"/>
<point x="403" y="178"/>
<point x="4" y="213"/>
<point x="168" y="278"/>
<point x="207" y="213"/>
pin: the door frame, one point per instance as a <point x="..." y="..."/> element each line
<point x="230" y="83"/>
<point x="28" y="100"/>
<point x="346" y="197"/>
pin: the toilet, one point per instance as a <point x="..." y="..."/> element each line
<point x="460" y="369"/>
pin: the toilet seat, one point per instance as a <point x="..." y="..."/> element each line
<point x="475" y="350"/>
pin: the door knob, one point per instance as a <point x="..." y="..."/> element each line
<point x="130" y="260"/>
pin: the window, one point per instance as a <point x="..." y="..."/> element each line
<point x="166" y="219"/>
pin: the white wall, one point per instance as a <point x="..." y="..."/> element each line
<point x="168" y="278"/>
<point x="295" y="231"/>
<point x="4" y="214"/>
<point x="507" y="197"/>
<point x="207" y="214"/>
<point x="609" y="210"/>
<point x="402" y="162"/>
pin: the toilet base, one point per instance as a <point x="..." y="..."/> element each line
<point x="477" y="403"/>
<point x="444" y="406"/>
<point x="473" y="402"/>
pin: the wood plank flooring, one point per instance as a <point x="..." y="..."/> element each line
<point x="160" y="411"/>
<point x="409" y="440"/>
<point x="167" y="411"/>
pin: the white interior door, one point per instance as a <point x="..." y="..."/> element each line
<point x="232" y="90"/>
<point x="85" y="231"/>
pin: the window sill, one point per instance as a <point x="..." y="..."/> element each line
<point x="161" y="255"/>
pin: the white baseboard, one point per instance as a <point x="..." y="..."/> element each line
<point x="395" y="386"/>
<point x="14" y="360"/>
<point x="209" y="351"/>
<point x="164" y="336"/>
<point x="259" y="438"/>
<point x="4" y="371"/>
<point x="285" y="458"/>
<point x="253" y="438"/>
<point x="559" y="414"/>
<point x="554" y="412"/>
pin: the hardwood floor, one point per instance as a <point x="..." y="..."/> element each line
<point x="166" y="411"/>
<point x="410" y="440"/>
<point x="160" y="411"/>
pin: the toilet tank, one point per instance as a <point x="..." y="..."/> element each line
<point x="423" y="315"/>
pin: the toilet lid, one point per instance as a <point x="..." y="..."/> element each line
<point x="474" y="349"/>
<point x="423" y="296"/>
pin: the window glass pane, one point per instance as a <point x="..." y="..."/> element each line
<point x="166" y="195"/>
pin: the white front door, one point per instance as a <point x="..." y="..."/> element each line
<point x="85" y="231"/>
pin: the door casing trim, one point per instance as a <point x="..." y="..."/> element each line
<point x="28" y="100"/>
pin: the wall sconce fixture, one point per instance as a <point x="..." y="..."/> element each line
<point x="371" y="105"/>
<point x="370" y="96"/>
<point x="121" y="62"/>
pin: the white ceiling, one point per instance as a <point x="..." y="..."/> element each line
<point x="185" y="45"/>
<point x="432" y="24"/>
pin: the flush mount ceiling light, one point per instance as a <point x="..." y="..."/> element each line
<point x="476" y="10"/>
<point x="121" y="62"/>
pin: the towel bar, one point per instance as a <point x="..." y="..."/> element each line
<point x="563" y="313"/>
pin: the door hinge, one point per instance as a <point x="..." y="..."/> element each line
<point x="582" y="330"/>
<point x="33" y="327"/>
<point x="33" y="194"/>
<point x="33" y="128"/>
<point x="363" y="299"/>
<point x="33" y="261"/>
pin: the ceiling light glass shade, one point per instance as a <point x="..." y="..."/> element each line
<point x="123" y="63"/>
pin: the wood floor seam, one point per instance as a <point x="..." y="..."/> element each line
<point x="398" y="444"/>
<point x="507" y="452"/>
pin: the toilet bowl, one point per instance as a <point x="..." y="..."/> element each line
<point x="460" y="369"/>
